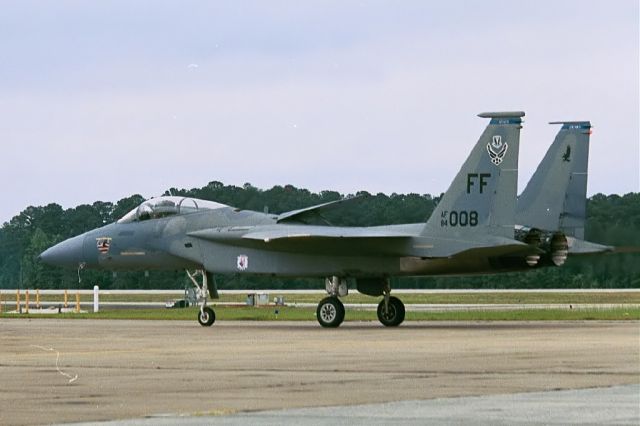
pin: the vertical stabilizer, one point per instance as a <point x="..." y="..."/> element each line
<point x="555" y="198"/>
<point x="482" y="197"/>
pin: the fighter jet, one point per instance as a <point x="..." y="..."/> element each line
<point x="471" y="231"/>
<point x="551" y="211"/>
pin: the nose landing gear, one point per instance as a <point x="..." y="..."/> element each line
<point x="206" y="315"/>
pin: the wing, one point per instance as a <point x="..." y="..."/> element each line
<point x="399" y="240"/>
<point x="314" y="239"/>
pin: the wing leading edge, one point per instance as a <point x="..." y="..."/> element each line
<point x="302" y="214"/>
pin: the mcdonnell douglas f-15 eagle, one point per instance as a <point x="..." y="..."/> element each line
<point x="471" y="231"/>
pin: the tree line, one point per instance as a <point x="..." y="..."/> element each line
<point x="611" y="219"/>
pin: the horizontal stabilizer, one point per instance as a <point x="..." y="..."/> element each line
<point x="578" y="246"/>
<point x="625" y="249"/>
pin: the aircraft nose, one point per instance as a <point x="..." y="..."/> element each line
<point x="67" y="253"/>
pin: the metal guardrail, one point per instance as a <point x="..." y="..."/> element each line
<point x="8" y="299"/>
<point x="319" y="291"/>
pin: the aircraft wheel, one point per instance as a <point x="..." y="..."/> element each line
<point x="394" y="315"/>
<point x="330" y="312"/>
<point x="206" y="317"/>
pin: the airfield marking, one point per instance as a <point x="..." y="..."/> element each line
<point x="68" y="376"/>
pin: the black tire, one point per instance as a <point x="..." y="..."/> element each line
<point x="206" y="317"/>
<point x="394" y="316"/>
<point x="330" y="312"/>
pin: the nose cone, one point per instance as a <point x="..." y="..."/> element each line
<point x="67" y="253"/>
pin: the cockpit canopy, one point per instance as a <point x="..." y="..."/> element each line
<point x="156" y="208"/>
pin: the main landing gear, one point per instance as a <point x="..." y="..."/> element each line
<point x="391" y="312"/>
<point x="330" y="312"/>
<point x="206" y="315"/>
<point x="390" y="309"/>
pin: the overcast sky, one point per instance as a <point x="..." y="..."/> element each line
<point x="101" y="100"/>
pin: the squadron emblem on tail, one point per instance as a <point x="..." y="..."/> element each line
<point x="497" y="149"/>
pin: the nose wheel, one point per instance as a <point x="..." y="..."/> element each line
<point x="206" y="315"/>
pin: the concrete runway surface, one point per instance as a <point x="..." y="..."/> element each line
<point x="55" y="371"/>
<point x="616" y="405"/>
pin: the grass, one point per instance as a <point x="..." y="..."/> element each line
<point x="308" y="314"/>
<point x="407" y="298"/>
<point x="289" y="313"/>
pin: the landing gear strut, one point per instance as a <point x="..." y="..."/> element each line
<point x="330" y="312"/>
<point x="206" y="315"/>
<point x="391" y="309"/>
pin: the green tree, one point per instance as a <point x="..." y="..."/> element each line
<point x="611" y="219"/>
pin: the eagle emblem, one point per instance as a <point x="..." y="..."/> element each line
<point x="497" y="149"/>
<point x="567" y="154"/>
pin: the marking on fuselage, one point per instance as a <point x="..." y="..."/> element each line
<point x="242" y="262"/>
<point x="132" y="253"/>
<point x="103" y="244"/>
<point x="423" y="246"/>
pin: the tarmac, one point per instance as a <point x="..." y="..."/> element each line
<point x="617" y="405"/>
<point x="53" y="309"/>
<point x="174" y="372"/>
